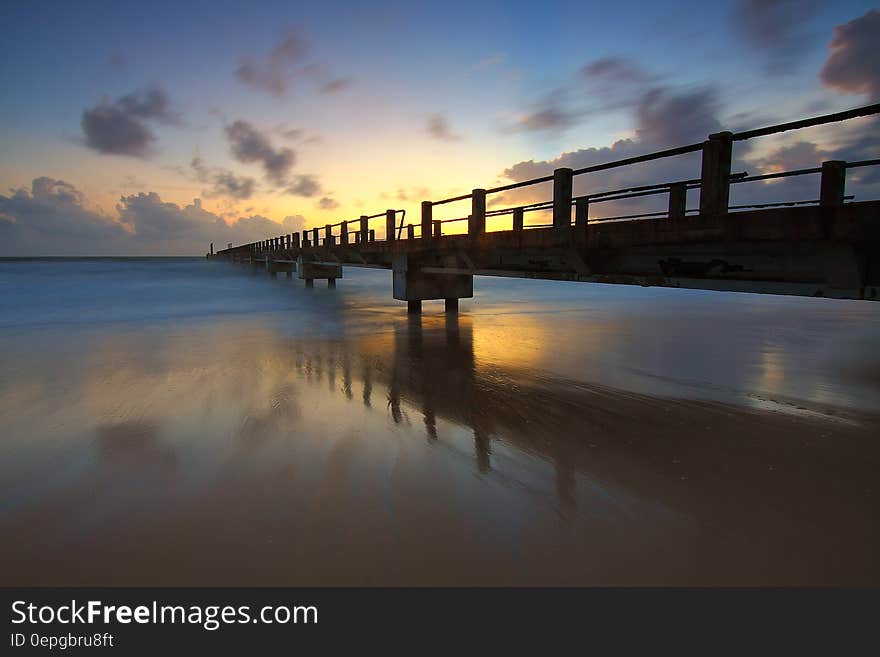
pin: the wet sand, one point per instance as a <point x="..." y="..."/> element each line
<point x="423" y="451"/>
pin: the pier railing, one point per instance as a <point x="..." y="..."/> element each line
<point x="714" y="186"/>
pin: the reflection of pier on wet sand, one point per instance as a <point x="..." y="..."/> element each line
<point x="408" y="457"/>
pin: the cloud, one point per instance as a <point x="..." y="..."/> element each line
<point x="224" y="182"/>
<point x="293" y="224"/>
<point x="122" y="127"/>
<point x="666" y="118"/>
<point x="616" y="69"/>
<point x="285" y="63"/>
<point x="304" y="185"/>
<point x="274" y="74"/>
<point x="327" y="203"/>
<point x="51" y="218"/>
<point x="438" y="128"/>
<point x="853" y="66"/>
<point x="549" y="115"/>
<point x="776" y="28"/>
<point x="249" y="145"/>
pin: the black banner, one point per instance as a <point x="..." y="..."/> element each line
<point x="147" y="621"/>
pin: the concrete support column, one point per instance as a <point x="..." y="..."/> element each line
<point x="364" y="228"/>
<point x="477" y="218"/>
<point x="833" y="184"/>
<point x="715" y="175"/>
<point x="414" y="307"/>
<point x="390" y="233"/>
<point x="452" y="305"/>
<point x="563" y="182"/>
<point x="677" y="201"/>
<point x="427" y="211"/>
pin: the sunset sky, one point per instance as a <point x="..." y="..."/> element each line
<point x="155" y="128"/>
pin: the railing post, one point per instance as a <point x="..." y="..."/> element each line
<point x="427" y="209"/>
<point x="563" y="181"/>
<point x="581" y="211"/>
<point x="389" y="225"/>
<point x="328" y="235"/>
<point x="477" y="218"/>
<point x="715" y="175"/>
<point x="294" y="240"/>
<point x="305" y="239"/>
<point x="677" y="200"/>
<point x="410" y="232"/>
<point x="438" y="228"/>
<point x="372" y="234"/>
<point x="833" y="184"/>
<point x="315" y="236"/>
<point x="518" y="217"/>
<point x="365" y="228"/>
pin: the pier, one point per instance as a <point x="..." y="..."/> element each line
<point x="825" y="246"/>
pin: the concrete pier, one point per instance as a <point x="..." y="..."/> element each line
<point x="413" y="285"/>
<point x="308" y="270"/>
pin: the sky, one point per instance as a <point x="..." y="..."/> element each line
<point x="132" y="128"/>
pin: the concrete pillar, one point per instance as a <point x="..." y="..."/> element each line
<point x="414" y="307"/>
<point x="295" y="240"/>
<point x="715" y="175"/>
<point x="389" y="225"/>
<point x="331" y="282"/>
<point x="581" y="211"/>
<point x="364" y="228"/>
<point x="518" y="219"/>
<point x="343" y="233"/>
<point x="563" y="181"/>
<point x="305" y="238"/>
<point x="357" y="238"/>
<point x="677" y="201"/>
<point x="212" y="248"/>
<point x="477" y="218"/>
<point x="316" y="238"/>
<point x="410" y="232"/>
<point x="438" y="228"/>
<point x="427" y="211"/>
<point x="372" y="234"/>
<point x="310" y="282"/>
<point x="452" y="305"/>
<point x="410" y="283"/>
<point x="833" y="184"/>
<point x="328" y="235"/>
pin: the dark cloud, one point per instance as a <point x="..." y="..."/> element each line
<point x="438" y="128"/>
<point x="122" y="127"/>
<point x="666" y="118"/>
<point x="616" y="69"/>
<point x="224" y="183"/>
<point x="854" y="63"/>
<point x="274" y="74"/>
<point x="305" y="185"/>
<point x="777" y="29"/>
<point x="327" y="203"/>
<point x="249" y="145"/>
<point x="51" y="218"/>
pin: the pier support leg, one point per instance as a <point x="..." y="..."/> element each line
<point x="414" y="307"/>
<point x="310" y="282"/>
<point x="452" y="305"/>
<point x="331" y="282"/>
<point x="289" y="274"/>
